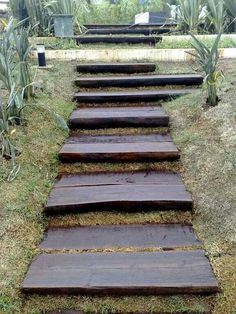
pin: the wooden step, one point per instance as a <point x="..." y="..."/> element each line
<point x="149" y="40"/>
<point x="125" y="191"/>
<point x="165" y="236"/>
<point x="131" y="148"/>
<point x="115" y="117"/>
<point x="151" y="273"/>
<point x="117" y="31"/>
<point x="136" y="81"/>
<point x="144" y="25"/>
<point x="131" y="96"/>
<point x="127" y="68"/>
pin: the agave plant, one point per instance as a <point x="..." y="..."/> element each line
<point x="216" y="14"/>
<point x="23" y="48"/>
<point x="190" y="14"/>
<point x="208" y="60"/>
<point x="38" y="15"/>
<point x="67" y="7"/>
<point x="7" y="148"/>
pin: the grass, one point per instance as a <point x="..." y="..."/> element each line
<point x="61" y="44"/>
<point x="207" y="143"/>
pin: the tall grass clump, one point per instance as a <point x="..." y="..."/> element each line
<point x="216" y="15"/>
<point x="208" y="59"/>
<point x="190" y="15"/>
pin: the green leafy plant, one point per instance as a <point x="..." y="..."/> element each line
<point x="7" y="148"/>
<point x="68" y="7"/>
<point x="23" y="48"/>
<point x="190" y="15"/>
<point x="216" y="14"/>
<point x="208" y="59"/>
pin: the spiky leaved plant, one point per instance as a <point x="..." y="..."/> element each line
<point x="23" y="48"/>
<point x="208" y="60"/>
<point x="7" y="148"/>
<point x="190" y="14"/>
<point x="216" y="14"/>
<point x="68" y="7"/>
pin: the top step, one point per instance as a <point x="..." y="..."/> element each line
<point x="127" y="68"/>
<point x="116" y="31"/>
<point x="151" y="25"/>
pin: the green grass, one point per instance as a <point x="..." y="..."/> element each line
<point x="206" y="140"/>
<point x="186" y="43"/>
<point x="62" y="44"/>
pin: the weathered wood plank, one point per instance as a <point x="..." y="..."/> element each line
<point x="125" y="31"/>
<point x="145" y="25"/>
<point x="130" y="148"/>
<point x="131" y="96"/>
<point x="136" y="81"/>
<point x="166" y="236"/>
<point x="127" y="68"/>
<point x="129" y="198"/>
<point x="177" y="272"/>
<point x="119" y="178"/>
<point x="149" y="40"/>
<point x="111" y="117"/>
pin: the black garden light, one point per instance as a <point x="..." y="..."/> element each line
<point x="41" y="56"/>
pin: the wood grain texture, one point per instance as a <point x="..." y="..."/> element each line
<point x="127" y="31"/>
<point x="177" y="272"/>
<point x="131" y="96"/>
<point x="107" y="117"/>
<point x="142" y="80"/>
<point x="127" y="68"/>
<point x="119" y="148"/>
<point x="119" y="178"/>
<point x="140" y="25"/>
<point x="127" y="191"/>
<point x="166" y="236"/>
<point x="148" y="40"/>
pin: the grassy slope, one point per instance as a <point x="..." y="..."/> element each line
<point x="207" y="141"/>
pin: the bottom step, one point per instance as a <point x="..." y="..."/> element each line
<point x="177" y="272"/>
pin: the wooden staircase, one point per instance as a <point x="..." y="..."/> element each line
<point x="176" y="262"/>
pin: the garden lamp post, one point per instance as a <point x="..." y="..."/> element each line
<point x="41" y="56"/>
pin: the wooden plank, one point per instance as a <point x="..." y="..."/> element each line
<point x="145" y="25"/>
<point x="166" y="236"/>
<point x="118" y="31"/>
<point x="125" y="191"/>
<point x="127" y="68"/>
<point x="118" y="40"/>
<point x="119" y="178"/>
<point x="131" y="96"/>
<point x="112" y="117"/>
<point x="130" y="148"/>
<point x="136" y="81"/>
<point x="152" y="273"/>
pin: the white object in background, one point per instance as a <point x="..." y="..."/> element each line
<point x="142" y="18"/>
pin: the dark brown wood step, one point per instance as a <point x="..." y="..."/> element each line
<point x="129" y="148"/>
<point x="126" y="191"/>
<point x="119" y="178"/>
<point x="112" y="117"/>
<point x="151" y="273"/>
<point x="145" y="25"/>
<point x="131" y="96"/>
<point x="127" y="68"/>
<point x="136" y="31"/>
<point x="166" y="236"/>
<point x="137" y="81"/>
<point x="149" y="40"/>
